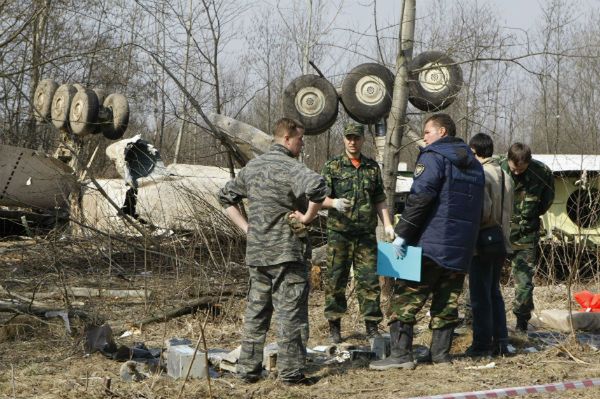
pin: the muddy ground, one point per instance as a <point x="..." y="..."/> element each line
<point x="40" y="360"/>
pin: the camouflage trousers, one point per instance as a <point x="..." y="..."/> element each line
<point x="444" y="285"/>
<point x="359" y="251"/>
<point x="523" y="266"/>
<point x="282" y="290"/>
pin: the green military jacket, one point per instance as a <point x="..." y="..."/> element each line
<point x="363" y="186"/>
<point x="534" y="193"/>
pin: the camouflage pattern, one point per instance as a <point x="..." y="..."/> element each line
<point x="523" y="263"/>
<point x="534" y="193"/>
<point x="275" y="184"/>
<point x="363" y="186"/>
<point x="409" y="297"/>
<point x="285" y="289"/>
<point x="343" y="250"/>
<point x="354" y="129"/>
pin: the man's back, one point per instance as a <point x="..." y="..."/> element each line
<point x="274" y="184"/>
<point x="446" y="205"/>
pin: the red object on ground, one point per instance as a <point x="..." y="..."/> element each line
<point x="589" y="302"/>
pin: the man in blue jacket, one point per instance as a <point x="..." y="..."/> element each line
<point x="442" y="217"/>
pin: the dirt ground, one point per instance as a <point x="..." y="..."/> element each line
<point x="40" y="360"/>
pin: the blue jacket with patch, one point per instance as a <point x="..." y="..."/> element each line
<point x="443" y="209"/>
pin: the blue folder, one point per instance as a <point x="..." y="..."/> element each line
<point x="407" y="268"/>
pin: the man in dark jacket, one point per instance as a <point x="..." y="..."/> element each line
<point x="441" y="216"/>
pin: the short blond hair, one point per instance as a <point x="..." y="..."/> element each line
<point x="287" y="126"/>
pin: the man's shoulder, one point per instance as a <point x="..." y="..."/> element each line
<point x="369" y="162"/>
<point x="430" y="156"/>
<point x="334" y="163"/>
<point x="540" y="167"/>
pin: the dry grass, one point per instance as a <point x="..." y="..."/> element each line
<point x="39" y="359"/>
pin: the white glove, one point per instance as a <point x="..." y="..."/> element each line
<point x="389" y="232"/>
<point x="342" y="204"/>
<point x="400" y="247"/>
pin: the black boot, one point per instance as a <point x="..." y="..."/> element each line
<point x="521" y="325"/>
<point x="441" y="342"/>
<point x="401" y="337"/>
<point x="335" y="331"/>
<point x="372" y="329"/>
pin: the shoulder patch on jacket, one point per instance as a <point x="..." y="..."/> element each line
<point x="419" y="169"/>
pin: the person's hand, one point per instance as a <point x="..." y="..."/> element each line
<point x="342" y="204"/>
<point x="300" y="217"/>
<point x="298" y="228"/>
<point x="389" y="232"/>
<point x="400" y="247"/>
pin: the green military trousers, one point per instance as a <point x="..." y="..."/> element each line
<point x="523" y="266"/>
<point x="360" y="251"/>
<point x="443" y="284"/>
<point x="282" y="290"/>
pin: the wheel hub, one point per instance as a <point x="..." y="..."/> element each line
<point x="58" y="105"/>
<point x="310" y="101"/>
<point x="39" y="101"/>
<point x="370" y="90"/>
<point x="434" y="77"/>
<point x="76" y="111"/>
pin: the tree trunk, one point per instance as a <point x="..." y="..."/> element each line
<point x="397" y="118"/>
<point x="396" y="123"/>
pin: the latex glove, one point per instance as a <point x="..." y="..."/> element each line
<point x="342" y="204"/>
<point x="400" y="247"/>
<point x="389" y="233"/>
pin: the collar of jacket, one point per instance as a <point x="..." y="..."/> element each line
<point x="490" y="160"/>
<point x="347" y="162"/>
<point x="280" y="148"/>
<point x="442" y="141"/>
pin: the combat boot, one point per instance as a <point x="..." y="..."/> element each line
<point x="521" y="325"/>
<point x="401" y="337"/>
<point x="441" y="342"/>
<point x="372" y="329"/>
<point x="335" y="331"/>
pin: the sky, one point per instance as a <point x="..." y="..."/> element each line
<point x="519" y="14"/>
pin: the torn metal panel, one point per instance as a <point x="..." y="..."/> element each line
<point x="32" y="179"/>
<point x="135" y="158"/>
<point x="176" y="197"/>
<point x="180" y="200"/>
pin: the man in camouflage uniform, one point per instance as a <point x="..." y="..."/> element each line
<point x="534" y="193"/>
<point x="276" y="185"/>
<point x="357" y="198"/>
<point x="441" y="216"/>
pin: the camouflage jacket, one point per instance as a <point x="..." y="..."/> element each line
<point x="274" y="183"/>
<point x="534" y="193"/>
<point x="363" y="186"/>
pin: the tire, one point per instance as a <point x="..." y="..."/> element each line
<point x="313" y="101"/>
<point x="42" y="99"/>
<point x="367" y="92"/>
<point x="84" y="112"/>
<point x="101" y="95"/>
<point x="434" y="81"/>
<point x="115" y="126"/>
<point x="61" y="105"/>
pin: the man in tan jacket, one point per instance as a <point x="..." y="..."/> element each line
<point x="490" y="335"/>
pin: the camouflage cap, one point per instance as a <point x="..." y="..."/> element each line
<point x="354" y="129"/>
